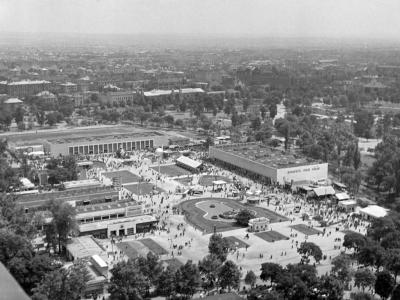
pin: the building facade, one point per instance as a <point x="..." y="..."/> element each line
<point x="27" y="87"/>
<point x="87" y="145"/>
<point x="274" y="170"/>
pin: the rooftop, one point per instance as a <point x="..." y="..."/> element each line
<point x="83" y="247"/>
<point x="104" y="206"/>
<point x="101" y="138"/>
<point x="29" y="82"/>
<point x="266" y="155"/>
<point x="155" y="93"/>
<point x="13" y="101"/>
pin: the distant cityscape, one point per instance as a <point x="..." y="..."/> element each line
<point x="184" y="166"/>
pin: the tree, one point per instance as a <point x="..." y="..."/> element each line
<point x="364" y="120"/>
<point x="51" y="119"/>
<point x="256" y="123"/>
<point x="209" y="142"/>
<point x="19" y="114"/>
<point x="246" y="103"/>
<point x="187" y="279"/>
<point x="341" y="268"/>
<point x="127" y="282"/>
<point x="218" y="246"/>
<point x="229" y="275"/>
<point x="330" y="288"/>
<point x="63" y="283"/>
<point x="63" y="222"/>
<point x="209" y="267"/>
<point x="273" y="111"/>
<point x="250" y="278"/>
<point x="243" y="217"/>
<point x="263" y="112"/>
<point x="354" y="240"/>
<point x="372" y="254"/>
<point x="270" y="271"/>
<point x="364" y="278"/>
<point x="150" y="266"/>
<point x="166" y="282"/>
<point x="396" y="292"/>
<point x="308" y="249"/>
<point x="40" y="117"/>
<point x="264" y="134"/>
<point x="384" y="284"/>
<point x="169" y="119"/>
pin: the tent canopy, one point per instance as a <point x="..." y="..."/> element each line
<point x="324" y="191"/>
<point x="374" y="211"/>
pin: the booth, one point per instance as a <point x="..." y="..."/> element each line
<point x="348" y="205"/>
<point x="258" y="224"/>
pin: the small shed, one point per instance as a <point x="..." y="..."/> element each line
<point x="258" y="224"/>
<point x="348" y="205"/>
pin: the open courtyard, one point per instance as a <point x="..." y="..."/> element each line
<point x="197" y="212"/>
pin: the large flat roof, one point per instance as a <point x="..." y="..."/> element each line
<point x="104" y="206"/>
<point x="39" y="136"/>
<point x="92" y="193"/>
<point x="101" y="138"/>
<point x="266" y="155"/>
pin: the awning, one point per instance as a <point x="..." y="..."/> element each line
<point x="342" y="196"/>
<point x="324" y="191"/>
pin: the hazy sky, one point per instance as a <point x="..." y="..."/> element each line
<point x="269" y="18"/>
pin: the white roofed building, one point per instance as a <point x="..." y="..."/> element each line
<point x="188" y="163"/>
<point x="374" y="212"/>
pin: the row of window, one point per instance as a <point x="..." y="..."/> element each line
<point x="101" y="218"/>
<point x="110" y="148"/>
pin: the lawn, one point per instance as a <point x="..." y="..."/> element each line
<point x="305" y="229"/>
<point x="271" y="236"/>
<point x="144" y="188"/>
<point x="132" y="249"/>
<point x="126" y="176"/>
<point x="153" y="246"/>
<point x="207" y="180"/>
<point x="194" y="214"/>
<point x="172" y="170"/>
<point x="235" y="242"/>
<point x="185" y="180"/>
<point x="213" y="208"/>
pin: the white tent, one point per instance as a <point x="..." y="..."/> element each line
<point x="374" y="211"/>
<point x="188" y="162"/>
